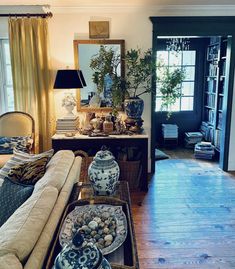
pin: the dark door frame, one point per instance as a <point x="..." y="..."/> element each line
<point x="200" y="26"/>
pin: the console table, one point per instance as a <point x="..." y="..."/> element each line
<point x="85" y="143"/>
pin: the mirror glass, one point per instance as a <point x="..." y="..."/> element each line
<point x="94" y="96"/>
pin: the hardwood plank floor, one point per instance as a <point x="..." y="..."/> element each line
<point x="187" y="218"/>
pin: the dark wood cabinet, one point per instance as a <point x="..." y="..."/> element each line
<point x="113" y="142"/>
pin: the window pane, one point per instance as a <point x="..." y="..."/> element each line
<point x="10" y="98"/>
<point x="7" y="52"/>
<point x="158" y="104"/>
<point x="188" y="88"/>
<point x="189" y="57"/>
<point x="158" y="93"/>
<point x="8" y="75"/>
<point x="162" y="57"/>
<point x="175" y="58"/>
<point x="189" y="73"/>
<point x="160" y="72"/>
<point x="176" y="106"/>
<point x="187" y="103"/>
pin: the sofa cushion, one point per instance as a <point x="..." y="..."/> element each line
<point x="20" y="232"/>
<point x="12" y="196"/>
<point x="4" y="158"/>
<point x="20" y="157"/>
<point x="10" y="261"/>
<point x="28" y="172"/>
<point x="57" y="170"/>
<point x="7" y="144"/>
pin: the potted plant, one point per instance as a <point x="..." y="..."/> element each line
<point x="105" y="65"/>
<point x="139" y="72"/>
<point x="169" y="85"/>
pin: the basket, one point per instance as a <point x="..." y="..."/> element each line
<point x="130" y="171"/>
<point x="86" y="160"/>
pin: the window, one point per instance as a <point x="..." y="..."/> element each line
<point x="6" y="87"/>
<point x="183" y="59"/>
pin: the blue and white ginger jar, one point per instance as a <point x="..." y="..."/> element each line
<point x="80" y="255"/>
<point x="134" y="107"/>
<point x="104" y="173"/>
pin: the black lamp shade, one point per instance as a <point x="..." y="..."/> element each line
<point x="69" y="79"/>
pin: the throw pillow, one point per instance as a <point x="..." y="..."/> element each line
<point x="28" y="172"/>
<point x="20" y="157"/>
<point x="12" y="196"/>
<point x="7" y="144"/>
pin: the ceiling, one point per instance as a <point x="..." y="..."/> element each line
<point x="86" y="3"/>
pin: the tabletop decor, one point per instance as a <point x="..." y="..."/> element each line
<point x="104" y="172"/>
<point x="79" y="254"/>
<point x="103" y="225"/>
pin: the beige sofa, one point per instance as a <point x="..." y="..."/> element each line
<point x="25" y="237"/>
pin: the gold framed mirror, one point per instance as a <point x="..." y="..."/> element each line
<point x="84" y="52"/>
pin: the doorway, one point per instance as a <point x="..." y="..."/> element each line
<point x="204" y="27"/>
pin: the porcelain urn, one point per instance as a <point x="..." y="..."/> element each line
<point x="80" y="255"/>
<point x="104" y="172"/>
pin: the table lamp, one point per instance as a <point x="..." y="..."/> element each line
<point x="69" y="79"/>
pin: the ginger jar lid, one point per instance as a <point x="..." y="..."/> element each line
<point x="79" y="255"/>
<point x="104" y="155"/>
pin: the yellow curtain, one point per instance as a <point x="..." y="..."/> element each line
<point x="33" y="92"/>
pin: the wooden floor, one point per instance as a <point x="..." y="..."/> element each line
<point x="187" y="218"/>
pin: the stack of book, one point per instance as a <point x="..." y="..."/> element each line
<point x="67" y="125"/>
<point x="207" y="131"/>
<point x="192" y="138"/>
<point x="204" y="150"/>
<point x="170" y="131"/>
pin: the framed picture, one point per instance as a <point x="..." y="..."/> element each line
<point x="99" y="29"/>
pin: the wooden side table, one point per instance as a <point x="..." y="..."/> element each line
<point x="125" y="257"/>
<point x="85" y="143"/>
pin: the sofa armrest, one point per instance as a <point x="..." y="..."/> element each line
<point x="39" y="252"/>
<point x="20" y="232"/>
<point x="10" y="261"/>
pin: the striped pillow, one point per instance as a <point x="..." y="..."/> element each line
<point x="20" y="157"/>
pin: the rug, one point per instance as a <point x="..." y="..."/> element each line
<point x="160" y="155"/>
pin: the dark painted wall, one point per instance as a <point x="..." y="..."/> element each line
<point x="187" y="120"/>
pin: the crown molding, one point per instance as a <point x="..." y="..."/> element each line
<point x="156" y="10"/>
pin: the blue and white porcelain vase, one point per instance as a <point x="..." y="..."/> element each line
<point x="104" y="172"/>
<point x="134" y="107"/>
<point x="80" y="255"/>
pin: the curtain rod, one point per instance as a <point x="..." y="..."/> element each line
<point x="43" y="15"/>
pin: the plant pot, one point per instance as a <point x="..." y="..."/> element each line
<point x="134" y="107"/>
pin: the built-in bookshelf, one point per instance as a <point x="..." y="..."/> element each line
<point x="214" y="90"/>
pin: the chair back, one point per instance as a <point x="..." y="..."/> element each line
<point x="16" y="123"/>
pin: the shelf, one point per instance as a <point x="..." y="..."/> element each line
<point x="220" y="110"/>
<point x="211" y="77"/>
<point x="221" y="94"/>
<point x="219" y="128"/>
<point x="209" y="107"/>
<point x="214" y="44"/>
<point x="223" y="57"/>
<point x="210" y="92"/>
